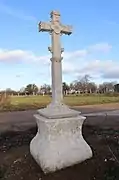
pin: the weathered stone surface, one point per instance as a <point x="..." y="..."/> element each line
<point x="56" y="29"/>
<point x="58" y="111"/>
<point x="59" y="143"/>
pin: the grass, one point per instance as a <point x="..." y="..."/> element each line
<point x="35" y="102"/>
<point x="30" y="100"/>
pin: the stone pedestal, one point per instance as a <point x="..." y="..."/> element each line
<point x="59" y="142"/>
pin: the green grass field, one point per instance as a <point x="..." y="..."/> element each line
<point x="69" y="100"/>
<point x="35" y="102"/>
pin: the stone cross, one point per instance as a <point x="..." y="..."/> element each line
<point x="59" y="142"/>
<point x="56" y="29"/>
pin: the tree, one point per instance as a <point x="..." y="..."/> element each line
<point x="92" y="87"/>
<point x="116" y="88"/>
<point x="82" y="83"/>
<point x="10" y="91"/>
<point x="22" y="90"/>
<point x="31" y="89"/>
<point x="106" y="87"/>
<point x="71" y="86"/>
<point x="77" y="85"/>
<point x="46" y="89"/>
<point x="65" y="88"/>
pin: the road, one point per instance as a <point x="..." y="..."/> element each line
<point x="21" y="120"/>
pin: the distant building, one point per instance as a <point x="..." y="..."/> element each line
<point x="116" y="88"/>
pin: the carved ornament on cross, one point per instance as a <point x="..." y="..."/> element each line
<point x="55" y="25"/>
<point x="55" y="28"/>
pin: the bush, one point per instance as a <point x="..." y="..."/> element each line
<point x="4" y="100"/>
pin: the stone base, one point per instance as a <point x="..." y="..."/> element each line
<point x="59" y="143"/>
<point x="54" y="111"/>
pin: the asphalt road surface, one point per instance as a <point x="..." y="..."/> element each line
<point x="21" y="120"/>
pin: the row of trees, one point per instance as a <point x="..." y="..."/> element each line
<point x="30" y="89"/>
<point x="85" y="85"/>
<point x="81" y="85"/>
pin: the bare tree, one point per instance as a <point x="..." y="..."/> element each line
<point x="83" y="83"/>
<point x="107" y="87"/>
<point x="110" y="86"/>
<point x="92" y="87"/>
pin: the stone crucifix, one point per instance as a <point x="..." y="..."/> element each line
<point x="56" y="29"/>
<point x="59" y="142"/>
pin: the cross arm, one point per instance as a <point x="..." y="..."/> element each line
<point x="66" y="29"/>
<point x="43" y="26"/>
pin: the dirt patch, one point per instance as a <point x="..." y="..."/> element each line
<point x="16" y="163"/>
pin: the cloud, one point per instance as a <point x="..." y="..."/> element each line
<point x="97" y="69"/>
<point x="75" y="63"/>
<point x="111" y="74"/>
<point x="12" y="56"/>
<point x="68" y="67"/>
<point x="28" y="56"/>
<point x="18" y="76"/>
<point x="75" y="54"/>
<point x="15" y="13"/>
<point x="97" y="66"/>
<point x="100" y="47"/>
<point x="107" y="69"/>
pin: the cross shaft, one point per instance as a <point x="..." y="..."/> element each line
<point x="56" y="29"/>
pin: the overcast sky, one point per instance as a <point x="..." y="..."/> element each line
<point x="93" y="47"/>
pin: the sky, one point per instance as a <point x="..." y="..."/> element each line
<point x="92" y="48"/>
